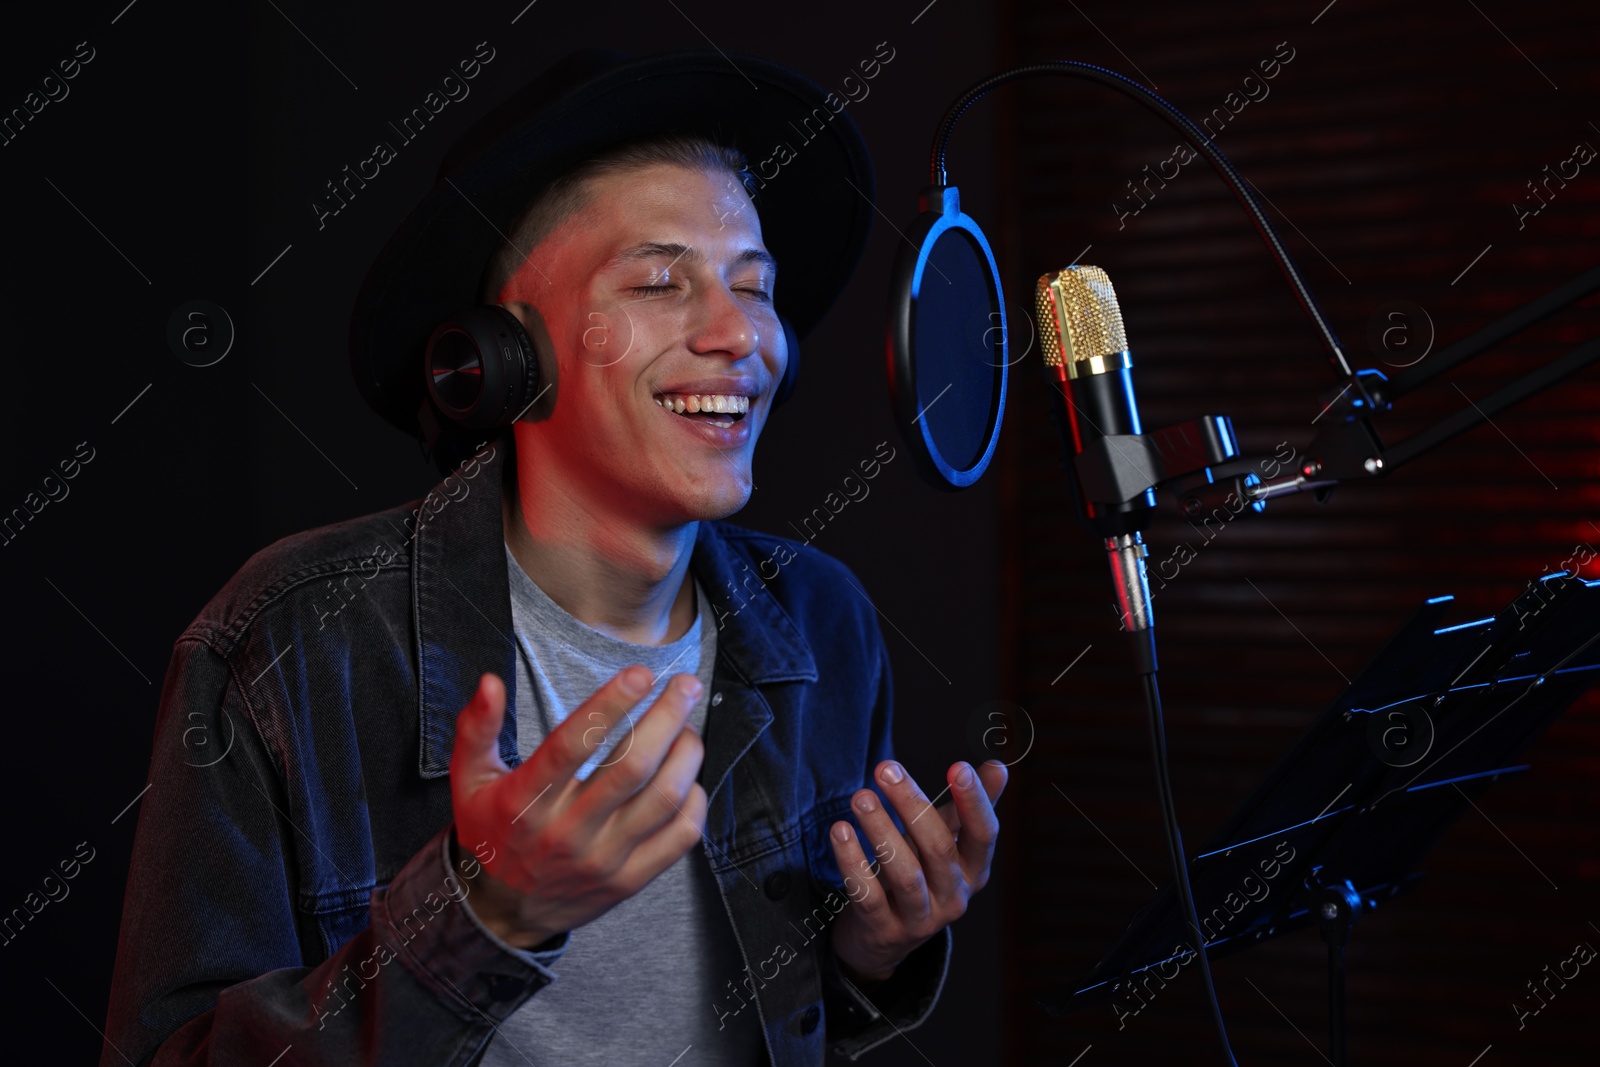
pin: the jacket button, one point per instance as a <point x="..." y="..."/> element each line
<point x="809" y="1020"/>
<point x="716" y="698"/>
<point x="777" y="885"/>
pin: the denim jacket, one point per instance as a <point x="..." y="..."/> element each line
<point x="291" y="889"/>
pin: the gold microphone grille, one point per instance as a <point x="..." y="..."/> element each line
<point x="1079" y="318"/>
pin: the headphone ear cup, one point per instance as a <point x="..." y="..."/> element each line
<point x="481" y="367"/>
<point x="791" y="372"/>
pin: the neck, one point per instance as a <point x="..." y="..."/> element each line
<point x="628" y="581"/>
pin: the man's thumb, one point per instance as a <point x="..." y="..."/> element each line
<point x="477" y="744"/>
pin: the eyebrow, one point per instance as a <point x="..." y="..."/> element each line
<point x="676" y="252"/>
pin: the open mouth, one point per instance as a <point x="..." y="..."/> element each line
<point x="718" y="409"/>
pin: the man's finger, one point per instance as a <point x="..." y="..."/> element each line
<point x="894" y="860"/>
<point x="638" y="755"/>
<point x="475" y="756"/>
<point x="951" y="817"/>
<point x="936" y="846"/>
<point x="663" y="848"/>
<point x="979" y="825"/>
<point x="664" y="795"/>
<point x="581" y="733"/>
<point x="994" y="776"/>
<point x="860" y="878"/>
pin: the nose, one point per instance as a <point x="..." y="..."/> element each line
<point x="723" y="324"/>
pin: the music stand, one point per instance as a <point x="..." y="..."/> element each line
<point x="1341" y="823"/>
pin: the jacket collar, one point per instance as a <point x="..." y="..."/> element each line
<point x="462" y="622"/>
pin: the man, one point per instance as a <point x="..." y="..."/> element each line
<point x="626" y="864"/>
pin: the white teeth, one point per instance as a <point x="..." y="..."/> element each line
<point x="715" y="403"/>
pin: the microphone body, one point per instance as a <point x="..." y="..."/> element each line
<point x="1091" y="375"/>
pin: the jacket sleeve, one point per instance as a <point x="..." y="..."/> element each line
<point x="861" y="1019"/>
<point x="212" y="964"/>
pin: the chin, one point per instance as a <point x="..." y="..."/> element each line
<point x="677" y="501"/>
<point x="699" y="502"/>
<point x="722" y="505"/>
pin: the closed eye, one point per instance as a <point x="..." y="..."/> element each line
<point x="651" y="290"/>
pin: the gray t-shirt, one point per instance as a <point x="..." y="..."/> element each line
<point x="641" y="983"/>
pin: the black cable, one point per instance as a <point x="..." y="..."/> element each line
<point x="1195" y="136"/>
<point x="1180" y="866"/>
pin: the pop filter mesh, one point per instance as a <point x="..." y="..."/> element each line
<point x="956" y="338"/>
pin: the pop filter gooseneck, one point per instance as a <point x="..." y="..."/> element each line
<point x="1202" y="143"/>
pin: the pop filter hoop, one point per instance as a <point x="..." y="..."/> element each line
<point x="943" y="252"/>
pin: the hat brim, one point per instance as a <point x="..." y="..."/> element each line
<point x="815" y="200"/>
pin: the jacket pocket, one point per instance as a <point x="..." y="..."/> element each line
<point x="337" y="917"/>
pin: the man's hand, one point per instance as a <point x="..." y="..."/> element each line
<point x="557" y="852"/>
<point x="910" y="890"/>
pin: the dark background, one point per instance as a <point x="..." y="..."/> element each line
<point x="185" y="160"/>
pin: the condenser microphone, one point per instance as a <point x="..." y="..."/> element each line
<point x="1086" y="357"/>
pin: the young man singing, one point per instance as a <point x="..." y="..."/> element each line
<point x="566" y="777"/>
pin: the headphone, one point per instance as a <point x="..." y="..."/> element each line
<point x="482" y="373"/>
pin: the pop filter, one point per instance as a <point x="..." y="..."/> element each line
<point x="947" y="343"/>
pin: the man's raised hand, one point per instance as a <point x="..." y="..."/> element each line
<point x="919" y="882"/>
<point x="557" y="852"/>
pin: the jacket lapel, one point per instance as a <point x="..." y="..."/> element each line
<point x="460" y="589"/>
<point x="757" y="644"/>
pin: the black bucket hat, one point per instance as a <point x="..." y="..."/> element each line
<point x="814" y="201"/>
